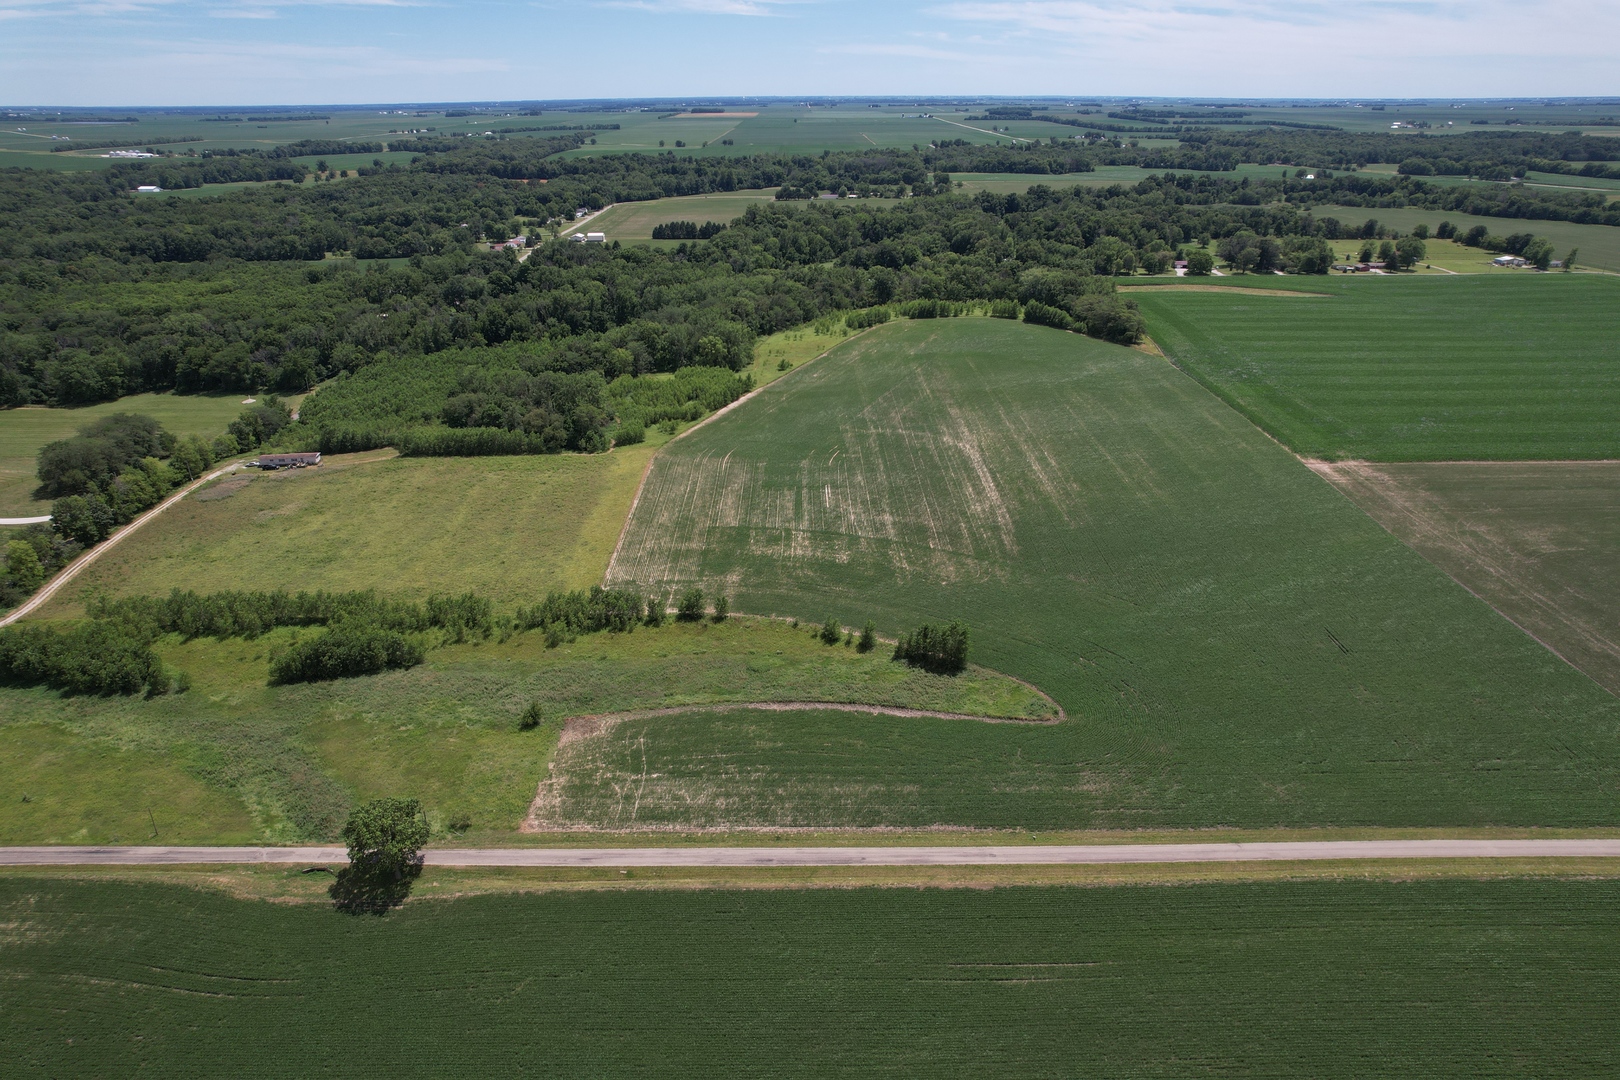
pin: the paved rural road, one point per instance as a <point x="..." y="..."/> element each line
<point x="25" y="521"/>
<point x="44" y="595"/>
<point x="1033" y="854"/>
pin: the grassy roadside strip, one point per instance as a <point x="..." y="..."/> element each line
<point x="292" y="885"/>
<point x="967" y="837"/>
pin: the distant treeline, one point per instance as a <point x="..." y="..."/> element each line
<point x="270" y="118"/>
<point x="687" y="230"/>
<point x="105" y="294"/>
<point x="113" y="144"/>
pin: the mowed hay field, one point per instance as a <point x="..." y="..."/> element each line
<point x="1536" y="539"/>
<point x="635" y="221"/>
<point x="510" y="528"/>
<point x="1323" y="979"/>
<point x="24" y="431"/>
<point x="1235" y="643"/>
<point x="1411" y="369"/>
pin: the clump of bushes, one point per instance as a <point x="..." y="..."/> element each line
<point x="860" y="320"/>
<point x="1004" y="309"/>
<point x="95" y="658"/>
<point x="564" y="616"/>
<point x="942" y="650"/>
<point x="345" y="650"/>
<point x="690" y="606"/>
<point x="249" y="614"/>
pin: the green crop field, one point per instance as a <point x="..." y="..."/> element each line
<point x="1536" y="539"/>
<point x="1235" y="643"/>
<point x="1412" y="369"/>
<point x="511" y="528"/>
<point x="233" y="759"/>
<point x="24" y="431"/>
<point x="1322" y="979"/>
<point x="1599" y="244"/>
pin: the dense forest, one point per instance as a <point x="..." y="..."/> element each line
<point x="284" y="285"/>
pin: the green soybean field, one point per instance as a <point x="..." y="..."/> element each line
<point x="1234" y="642"/>
<point x="1328" y="979"/>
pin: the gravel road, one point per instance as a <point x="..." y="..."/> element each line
<point x="1030" y="855"/>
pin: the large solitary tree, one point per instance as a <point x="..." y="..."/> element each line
<point x="386" y="834"/>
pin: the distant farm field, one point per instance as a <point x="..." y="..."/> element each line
<point x="24" y="431"/>
<point x="510" y="528"/>
<point x="1235" y="643"/>
<point x="1323" y="979"/>
<point x="635" y="221"/>
<point x="1599" y="244"/>
<point x="1411" y="369"/>
<point x="1536" y="539"/>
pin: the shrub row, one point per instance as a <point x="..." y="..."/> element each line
<point x="347" y="649"/>
<point x="94" y="658"/>
<point x="249" y="614"/>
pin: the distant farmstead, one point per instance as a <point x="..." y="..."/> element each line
<point x="288" y="461"/>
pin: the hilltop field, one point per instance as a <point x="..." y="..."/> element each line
<point x="1234" y="643"/>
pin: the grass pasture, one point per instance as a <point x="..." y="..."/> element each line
<point x="1326" y="979"/>
<point x="1234" y="643"/>
<point x="23" y="431"/>
<point x="1515" y="367"/>
<point x="511" y="528"/>
<point x="233" y="759"/>
<point x="632" y="222"/>
<point x="1535" y="539"/>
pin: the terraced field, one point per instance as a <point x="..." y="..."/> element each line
<point x="1325" y="979"/>
<point x="1235" y="643"/>
<point x="1412" y="369"/>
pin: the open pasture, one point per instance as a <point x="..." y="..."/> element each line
<point x="1535" y="539"/>
<point x="233" y="759"/>
<point x="1513" y="367"/>
<point x="510" y="528"/>
<point x="631" y="222"/>
<point x="23" y="431"/>
<point x="1233" y="642"/>
<point x="1325" y="979"/>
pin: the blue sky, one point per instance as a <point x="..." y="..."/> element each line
<point x="227" y="52"/>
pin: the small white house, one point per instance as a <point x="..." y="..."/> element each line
<point x="149" y="189"/>
<point x="1509" y="260"/>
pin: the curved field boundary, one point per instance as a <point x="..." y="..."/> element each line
<point x="578" y="728"/>
<point x="585" y="727"/>
<point x="987" y="855"/>
<point x="646" y="471"/>
<point x="73" y="569"/>
<point x="1243" y="289"/>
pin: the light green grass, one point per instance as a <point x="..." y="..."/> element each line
<point x="1536" y="539"/>
<point x="24" y="431"/>
<point x="64" y="790"/>
<point x="285" y="763"/>
<point x="1323" y="979"/>
<point x="511" y="528"/>
<point x="634" y="221"/>
<point x="1234" y="643"/>
<point x="1429" y="368"/>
